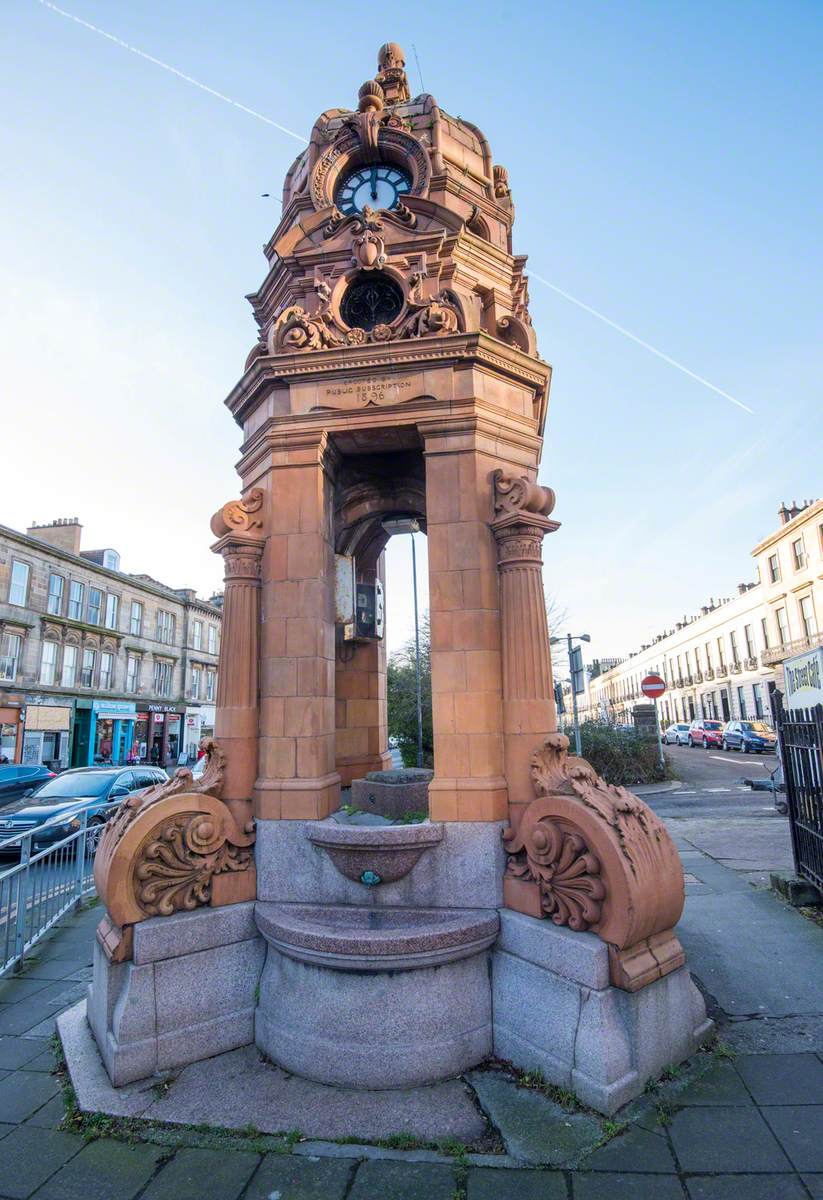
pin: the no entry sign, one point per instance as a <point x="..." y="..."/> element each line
<point x="653" y="686"/>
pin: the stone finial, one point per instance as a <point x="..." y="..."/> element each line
<point x="391" y="75"/>
<point x="370" y="96"/>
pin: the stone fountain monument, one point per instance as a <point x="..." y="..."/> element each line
<point x="531" y="916"/>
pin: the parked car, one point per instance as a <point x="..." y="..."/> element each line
<point x="749" y="736"/>
<point x="53" y="809"/>
<point x="706" y="733"/>
<point x="15" y="780"/>
<point x="676" y="734"/>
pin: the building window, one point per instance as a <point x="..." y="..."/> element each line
<point x="708" y="657"/>
<point x="212" y="639"/>
<point x="76" y="591"/>
<point x="758" y="700"/>
<point x="733" y="646"/>
<point x="112" y="608"/>
<point x="748" y="634"/>
<point x="69" y="671"/>
<point x="48" y="663"/>
<point x="782" y="626"/>
<point x="162" y="677"/>
<point x="774" y="568"/>
<point x="19" y="586"/>
<point x="197" y="636"/>
<point x="106" y="671"/>
<point x="95" y="606"/>
<point x="87" y="671"/>
<point x="798" y="554"/>
<point x="764" y="629"/>
<point x="807" y="617"/>
<point x="721" y="658"/>
<point x="136" y="618"/>
<point x="688" y="664"/>
<point x="165" y="627"/>
<point x="741" y="702"/>
<point x="55" y="600"/>
<point x="210" y="686"/>
<point x="132" y="673"/>
<point x="10" y="646"/>
<point x="195" y="683"/>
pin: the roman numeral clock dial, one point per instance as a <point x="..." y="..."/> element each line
<point x="377" y="186"/>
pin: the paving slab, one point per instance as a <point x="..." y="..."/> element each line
<point x="814" y="1183"/>
<point x="489" y="1184"/>
<point x="721" y="1084"/>
<point x="534" y="1128"/>
<point x="417" y="1181"/>
<point x="30" y="1156"/>
<point x="780" y="1035"/>
<point x="44" y="1061"/>
<point x="627" y="1187"/>
<point x="318" y="1149"/>
<point x="747" y="1187"/>
<point x="50" y="1116"/>
<point x="764" y="979"/>
<point x="301" y="1178"/>
<point x="782" y="1078"/>
<point x="16" y="1052"/>
<point x="103" y="1170"/>
<point x="203" y="1175"/>
<point x="23" y="1092"/>
<point x="635" y="1150"/>
<point x="725" y="1139"/>
<point x="799" y="1129"/>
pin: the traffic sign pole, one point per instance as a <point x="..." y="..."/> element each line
<point x="654" y="686"/>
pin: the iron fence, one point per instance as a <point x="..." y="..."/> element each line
<point x="40" y="887"/>
<point x="801" y="751"/>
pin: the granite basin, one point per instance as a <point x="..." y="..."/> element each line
<point x="354" y="938"/>
<point x="372" y="855"/>
<point x="393" y="794"/>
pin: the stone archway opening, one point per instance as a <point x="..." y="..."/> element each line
<point x="375" y="493"/>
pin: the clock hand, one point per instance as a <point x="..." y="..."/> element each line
<point x="374" y="183"/>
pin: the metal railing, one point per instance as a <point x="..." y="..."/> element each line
<point x="41" y="887"/>
<point x="801" y="753"/>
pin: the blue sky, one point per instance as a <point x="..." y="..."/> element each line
<point x="665" y="165"/>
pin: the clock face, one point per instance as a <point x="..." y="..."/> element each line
<point x="376" y="186"/>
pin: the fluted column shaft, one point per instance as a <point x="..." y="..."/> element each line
<point x="529" y="712"/>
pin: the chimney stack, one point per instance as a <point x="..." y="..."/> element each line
<point x="64" y="533"/>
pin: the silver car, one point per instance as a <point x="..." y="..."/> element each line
<point x="676" y="734"/>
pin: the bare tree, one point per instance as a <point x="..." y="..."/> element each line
<point x="557" y="616"/>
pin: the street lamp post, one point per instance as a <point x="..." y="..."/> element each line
<point x="570" y="638"/>
<point x="411" y="526"/>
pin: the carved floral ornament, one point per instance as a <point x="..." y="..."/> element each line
<point x="165" y="847"/>
<point x="595" y="857"/>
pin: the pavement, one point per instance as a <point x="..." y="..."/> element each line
<point x="743" y="1120"/>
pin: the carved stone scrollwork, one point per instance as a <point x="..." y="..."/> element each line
<point x="240" y="516"/>
<point x="168" y="849"/>
<point x="516" y="495"/>
<point x="595" y="857"/>
<point x="432" y="318"/>
<point x="295" y="329"/>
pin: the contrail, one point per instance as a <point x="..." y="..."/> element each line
<point x="646" y="346"/>
<point x="299" y="137"/>
<point x="173" y="70"/>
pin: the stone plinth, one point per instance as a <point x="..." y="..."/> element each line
<point x="555" y="1012"/>
<point x="375" y="999"/>
<point x="188" y="994"/>
<point x="393" y="794"/>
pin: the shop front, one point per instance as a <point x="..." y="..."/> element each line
<point x="164" y="734"/>
<point x="199" y="724"/>
<point x="104" y="732"/>
<point x="11" y="728"/>
<point x="47" y="732"/>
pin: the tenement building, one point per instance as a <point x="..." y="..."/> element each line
<point x="726" y="661"/>
<point x="97" y="665"/>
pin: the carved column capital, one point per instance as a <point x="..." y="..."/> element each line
<point x="521" y="518"/>
<point x="243" y="516"/>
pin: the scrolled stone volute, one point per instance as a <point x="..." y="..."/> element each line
<point x="172" y="848"/>
<point x="595" y="857"/>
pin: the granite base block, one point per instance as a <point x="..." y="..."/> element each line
<point x="168" y="1011"/>
<point x="600" y="1041"/>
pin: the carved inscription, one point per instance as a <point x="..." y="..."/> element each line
<point x="361" y="393"/>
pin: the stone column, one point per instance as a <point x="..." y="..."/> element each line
<point x="468" y="783"/>
<point x="239" y="529"/>
<point x="521" y="520"/>
<point x="361" y="716"/>
<point x="297" y="778"/>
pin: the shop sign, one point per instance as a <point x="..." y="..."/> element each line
<point x="804" y="679"/>
<point x="49" y="718"/>
<point x="115" y="710"/>
<point x="161" y="708"/>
